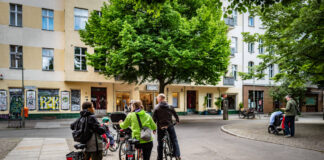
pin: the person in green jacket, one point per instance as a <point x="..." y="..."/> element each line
<point x="132" y="122"/>
<point x="290" y="112"/>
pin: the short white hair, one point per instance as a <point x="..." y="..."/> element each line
<point x="161" y="95"/>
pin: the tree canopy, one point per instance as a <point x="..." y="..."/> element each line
<point x="187" y="42"/>
<point x="294" y="39"/>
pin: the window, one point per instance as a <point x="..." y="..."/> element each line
<point x="209" y="100"/>
<point x="251" y="47"/>
<point x="271" y="71"/>
<point x="234" y="45"/>
<point x="80" y="18"/>
<point x="261" y="71"/>
<point x="48" y="59"/>
<point x="48" y="99"/>
<point x="99" y="13"/>
<point x="251" y="21"/>
<point x="16" y="56"/>
<point x="175" y="99"/>
<point x="260" y="46"/>
<point x="48" y="19"/>
<point x="80" y="63"/>
<point x="234" y="71"/>
<point x="15" y="15"/>
<point x="75" y="100"/>
<point x="250" y="65"/>
<point x="235" y="17"/>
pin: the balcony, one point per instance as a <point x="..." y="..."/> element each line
<point x="229" y="21"/>
<point x="228" y="81"/>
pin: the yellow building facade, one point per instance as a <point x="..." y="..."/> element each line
<point x="43" y="37"/>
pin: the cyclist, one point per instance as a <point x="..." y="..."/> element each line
<point x="132" y="122"/>
<point x="162" y="115"/>
<point x="105" y="121"/>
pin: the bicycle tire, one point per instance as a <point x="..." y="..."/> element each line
<point x="116" y="146"/>
<point x="105" y="151"/>
<point x="167" y="155"/>
<point x="121" y="148"/>
<point x="241" y="116"/>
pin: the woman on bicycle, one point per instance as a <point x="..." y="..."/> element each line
<point x="132" y="122"/>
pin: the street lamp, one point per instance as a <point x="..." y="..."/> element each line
<point x="23" y="87"/>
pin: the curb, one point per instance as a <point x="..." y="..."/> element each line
<point x="240" y="136"/>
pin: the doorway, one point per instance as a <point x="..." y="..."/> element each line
<point x="16" y="102"/>
<point x="149" y="100"/>
<point x="191" y="101"/>
<point x="231" y="102"/>
<point x="122" y="101"/>
<point x="99" y="99"/>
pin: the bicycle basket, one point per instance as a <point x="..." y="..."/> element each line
<point x="74" y="156"/>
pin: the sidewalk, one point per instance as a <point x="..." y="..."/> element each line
<point x="308" y="132"/>
<point x="39" y="149"/>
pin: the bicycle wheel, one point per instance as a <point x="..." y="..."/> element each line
<point x="114" y="148"/>
<point x="167" y="154"/>
<point x="105" y="149"/>
<point x="122" y="151"/>
<point x="241" y="116"/>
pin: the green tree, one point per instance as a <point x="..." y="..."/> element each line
<point x="294" y="39"/>
<point x="187" y="42"/>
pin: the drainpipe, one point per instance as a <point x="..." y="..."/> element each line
<point x="243" y="59"/>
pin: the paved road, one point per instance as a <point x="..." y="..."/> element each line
<point x="202" y="140"/>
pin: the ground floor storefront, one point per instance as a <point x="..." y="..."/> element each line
<point x="64" y="99"/>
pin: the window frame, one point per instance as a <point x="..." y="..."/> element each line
<point x="177" y="100"/>
<point x="251" y="47"/>
<point x="48" y="17"/>
<point x="47" y="56"/>
<point x="209" y="100"/>
<point x="80" y="16"/>
<point x="234" y="15"/>
<point x="16" y="53"/>
<point x="261" y="49"/>
<point x="16" y="12"/>
<point x="236" y="44"/>
<point x="250" y="66"/>
<point x="271" y="71"/>
<point x="80" y="55"/>
<point x="234" y="71"/>
<point x="251" y="25"/>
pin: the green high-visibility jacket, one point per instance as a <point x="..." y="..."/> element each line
<point x="132" y="122"/>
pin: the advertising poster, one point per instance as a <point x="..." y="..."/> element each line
<point x="65" y="100"/>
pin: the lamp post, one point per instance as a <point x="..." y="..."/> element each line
<point x="23" y="88"/>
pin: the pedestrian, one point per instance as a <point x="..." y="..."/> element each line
<point x="138" y="117"/>
<point x="290" y="113"/>
<point x="93" y="128"/>
<point x="162" y="115"/>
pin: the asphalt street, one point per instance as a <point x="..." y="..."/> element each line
<point x="200" y="140"/>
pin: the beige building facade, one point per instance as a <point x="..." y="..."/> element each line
<point x="42" y="36"/>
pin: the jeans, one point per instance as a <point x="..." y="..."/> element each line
<point x="146" y="148"/>
<point x="111" y="138"/>
<point x="174" y="140"/>
<point x="290" y="125"/>
<point x="93" y="155"/>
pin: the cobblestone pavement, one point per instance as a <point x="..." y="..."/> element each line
<point x="307" y="135"/>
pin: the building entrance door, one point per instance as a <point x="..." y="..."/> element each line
<point x="99" y="100"/>
<point x="16" y="101"/>
<point x="191" y="101"/>
<point x="231" y="102"/>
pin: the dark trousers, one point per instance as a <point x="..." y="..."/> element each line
<point x="174" y="140"/>
<point x="93" y="155"/>
<point x="290" y="125"/>
<point x="146" y="148"/>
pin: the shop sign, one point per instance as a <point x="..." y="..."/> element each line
<point x="152" y="87"/>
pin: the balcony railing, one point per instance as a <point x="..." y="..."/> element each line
<point x="229" y="21"/>
<point x="228" y="81"/>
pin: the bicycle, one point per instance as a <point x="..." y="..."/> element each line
<point x="247" y="113"/>
<point x="77" y="155"/>
<point x="106" y="144"/>
<point x="167" y="144"/>
<point x="127" y="149"/>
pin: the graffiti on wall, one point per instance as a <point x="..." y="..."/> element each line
<point x="75" y="100"/>
<point x="48" y="99"/>
<point x="16" y="101"/>
<point x="65" y="100"/>
<point x="31" y="99"/>
<point x="3" y="100"/>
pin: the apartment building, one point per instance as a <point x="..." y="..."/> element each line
<point x="42" y="36"/>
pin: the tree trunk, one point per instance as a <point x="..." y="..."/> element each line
<point x="161" y="87"/>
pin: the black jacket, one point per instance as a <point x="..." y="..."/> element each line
<point x="162" y="114"/>
<point x="93" y="123"/>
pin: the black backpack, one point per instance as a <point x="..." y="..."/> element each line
<point x="81" y="132"/>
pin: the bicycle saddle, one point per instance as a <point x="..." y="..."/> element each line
<point x="80" y="146"/>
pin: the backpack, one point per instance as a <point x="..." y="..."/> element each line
<point x="81" y="133"/>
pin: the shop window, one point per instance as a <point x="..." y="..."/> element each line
<point x="175" y="99"/>
<point x="3" y="100"/>
<point x="122" y="101"/>
<point x="48" y="99"/>
<point x="16" y="101"/>
<point x="149" y="100"/>
<point x="75" y="100"/>
<point x="256" y="100"/>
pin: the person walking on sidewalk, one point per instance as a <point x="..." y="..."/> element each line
<point x="137" y="120"/>
<point x="290" y="116"/>
<point x="94" y="142"/>
<point x="162" y="115"/>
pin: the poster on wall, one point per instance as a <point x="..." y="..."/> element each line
<point x="65" y="100"/>
<point x="48" y="99"/>
<point x="16" y="101"/>
<point x="75" y="100"/>
<point x="3" y="100"/>
<point x="31" y="100"/>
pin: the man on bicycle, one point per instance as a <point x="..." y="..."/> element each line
<point x="162" y="115"/>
